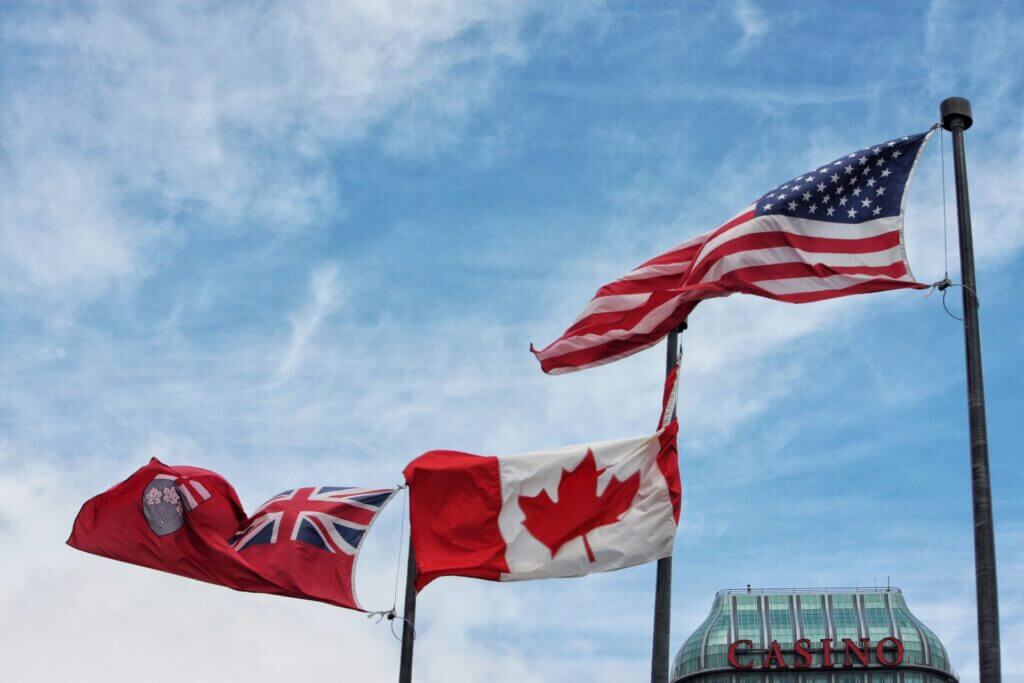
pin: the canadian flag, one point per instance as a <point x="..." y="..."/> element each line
<point x="555" y="513"/>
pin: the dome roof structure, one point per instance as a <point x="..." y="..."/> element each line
<point x="756" y="635"/>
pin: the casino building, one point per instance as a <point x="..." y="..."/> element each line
<point x="859" y="635"/>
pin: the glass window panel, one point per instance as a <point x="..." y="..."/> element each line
<point x="748" y="620"/>
<point x="812" y="614"/>
<point x="781" y="620"/>
<point x="913" y="649"/>
<point x="877" y="615"/>
<point x="845" y="617"/>
<point x="716" y="649"/>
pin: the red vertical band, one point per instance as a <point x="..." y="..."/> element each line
<point x="454" y="503"/>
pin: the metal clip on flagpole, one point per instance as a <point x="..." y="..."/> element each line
<point x="663" y="588"/>
<point x="956" y="118"/>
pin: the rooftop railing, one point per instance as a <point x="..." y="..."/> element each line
<point x="806" y="591"/>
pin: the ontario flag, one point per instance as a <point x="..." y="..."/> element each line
<point x="302" y="543"/>
<point x="556" y="513"/>
<point x="834" y="231"/>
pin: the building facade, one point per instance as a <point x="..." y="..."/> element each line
<point x="861" y="635"/>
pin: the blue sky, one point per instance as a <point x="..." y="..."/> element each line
<point x="301" y="243"/>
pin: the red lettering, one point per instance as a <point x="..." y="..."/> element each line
<point x="826" y="653"/>
<point x="880" y="652"/>
<point x="733" y="661"/>
<point x="774" y="655"/>
<point x="860" y="653"/>
<point x="803" y="658"/>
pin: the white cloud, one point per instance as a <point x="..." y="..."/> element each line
<point x="227" y="113"/>
<point x="61" y="226"/>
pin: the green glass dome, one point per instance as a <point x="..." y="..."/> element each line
<point x="786" y="616"/>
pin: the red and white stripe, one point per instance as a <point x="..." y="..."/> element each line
<point x="784" y="258"/>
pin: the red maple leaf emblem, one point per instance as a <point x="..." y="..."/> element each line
<point x="579" y="509"/>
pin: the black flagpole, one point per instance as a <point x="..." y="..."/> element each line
<point x="663" y="590"/>
<point x="408" y="620"/>
<point x="956" y="118"/>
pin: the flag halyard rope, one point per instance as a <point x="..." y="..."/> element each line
<point x="392" y="614"/>
<point x="945" y="283"/>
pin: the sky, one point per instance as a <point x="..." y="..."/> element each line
<point x="301" y="243"/>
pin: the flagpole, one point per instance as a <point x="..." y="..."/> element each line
<point x="956" y="118"/>
<point x="663" y="589"/>
<point x="408" y="620"/>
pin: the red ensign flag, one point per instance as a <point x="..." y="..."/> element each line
<point x="302" y="543"/>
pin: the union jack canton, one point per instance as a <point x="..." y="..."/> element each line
<point x="331" y="518"/>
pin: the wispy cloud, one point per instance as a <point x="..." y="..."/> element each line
<point x="117" y="120"/>
<point x="324" y="294"/>
<point x="752" y="22"/>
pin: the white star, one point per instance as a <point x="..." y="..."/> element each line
<point x="831" y="210"/>
<point x="826" y="199"/>
<point x="807" y="196"/>
<point x="877" y="210"/>
<point x="851" y="156"/>
<point x="813" y="208"/>
<point x="896" y="154"/>
<point x="856" y="192"/>
<point x="890" y="144"/>
<point x="766" y="207"/>
<point x="875" y="150"/>
<point x="879" y="162"/>
<point x="840" y="189"/>
<point x="849" y="169"/>
<point x="821" y="187"/>
<point x="842" y="201"/>
<point x="834" y="177"/>
<point x="863" y="160"/>
<point x="886" y="173"/>
<point x="792" y="206"/>
<point x="880" y="190"/>
<point x="784" y="187"/>
<point x="871" y="182"/>
<point x="837" y="163"/>
<point x="852" y="213"/>
<point x="852" y="183"/>
<point x="865" y="203"/>
<point x="822" y="170"/>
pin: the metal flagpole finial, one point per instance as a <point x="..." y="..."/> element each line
<point x="955" y="109"/>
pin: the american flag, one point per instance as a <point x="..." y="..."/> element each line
<point x="331" y="518"/>
<point x="834" y="231"/>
